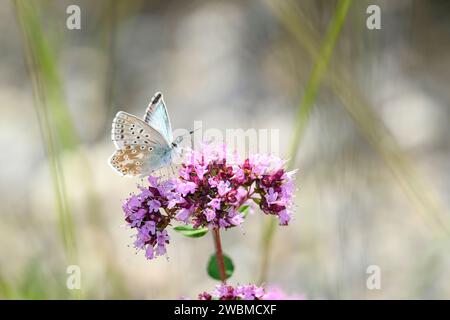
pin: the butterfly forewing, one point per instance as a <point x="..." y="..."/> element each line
<point x="157" y="117"/>
<point x="130" y="130"/>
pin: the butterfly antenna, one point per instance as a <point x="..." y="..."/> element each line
<point x="192" y="131"/>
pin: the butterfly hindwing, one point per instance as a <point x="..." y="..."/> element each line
<point x="157" y="117"/>
<point x="139" y="160"/>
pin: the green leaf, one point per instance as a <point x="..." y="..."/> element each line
<point x="257" y="200"/>
<point x="191" y="232"/>
<point x="213" y="268"/>
<point x="244" y="210"/>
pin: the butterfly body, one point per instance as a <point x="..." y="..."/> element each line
<point x="143" y="146"/>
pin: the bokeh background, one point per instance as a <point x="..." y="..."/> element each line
<point x="372" y="142"/>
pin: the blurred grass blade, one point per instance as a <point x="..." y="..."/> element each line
<point x="425" y="201"/>
<point x="317" y="74"/>
<point x="51" y="115"/>
<point x="59" y="135"/>
<point x="304" y="111"/>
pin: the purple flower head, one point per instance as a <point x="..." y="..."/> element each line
<point x="200" y="170"/>
<point x="213" y="182"/>
<point x="284" y="217"/>
<point x="214" y="203"/>
<point x="185" y="188"/>
<point x="250" y="292"/>
<point x="228" y="292"/>
<point x="153" y="181"/>
<point x="209" y="214"/>
<point x="183" y="215"/>
<point x="166" y="187"/>
<point x="140" y="213"/>
<point x="132" y="203"/>
<point x="223" y="187"/>
<point x="149" y="252"/>
<point x="247" y="292"/>
<point x="271" y="196"/>
<point x="153" y="205"/>
<point x="211" y="188"/>
<point x="235" y="218"/>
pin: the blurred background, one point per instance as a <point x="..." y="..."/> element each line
<point x="367" y="125"/>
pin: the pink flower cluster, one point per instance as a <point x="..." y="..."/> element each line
<point x="211" y="190"/>
<point x="247" y="292"/>
<point x="227" y="292"/>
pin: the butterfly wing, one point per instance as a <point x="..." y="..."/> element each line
<point x="141" y="148"/>
<point x="139" y="160"/>
<point x="128" y="129"/>
<point x="157" y="116"/>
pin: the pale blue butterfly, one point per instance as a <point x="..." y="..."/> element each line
<point x="143" y="146"/>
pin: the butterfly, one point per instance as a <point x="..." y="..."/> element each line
<point x="143" y="146"/>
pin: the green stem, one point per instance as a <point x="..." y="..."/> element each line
<point x="303" y="114"/>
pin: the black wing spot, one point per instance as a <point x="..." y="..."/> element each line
<point x="156" y="98"/>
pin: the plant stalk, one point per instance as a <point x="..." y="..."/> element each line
<point x="219" y="255"/>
